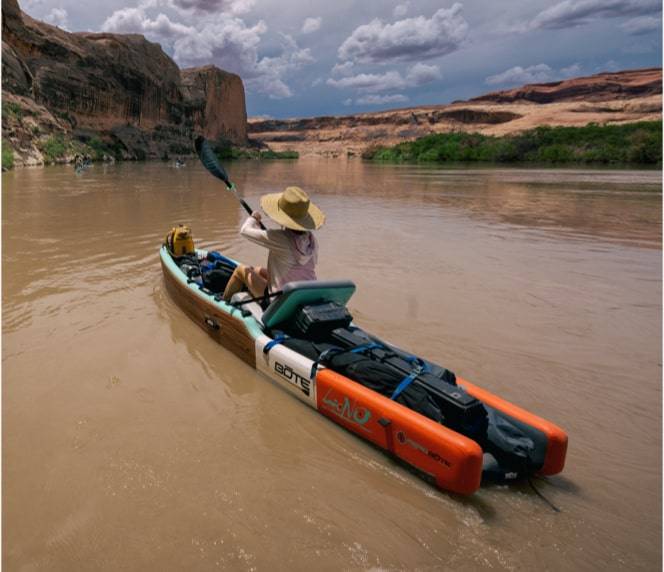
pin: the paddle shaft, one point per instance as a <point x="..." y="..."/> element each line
<point x="248" y="209"/>
<point x="211" y="163"/>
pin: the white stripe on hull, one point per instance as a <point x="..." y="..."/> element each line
<point x="288" y="368"/>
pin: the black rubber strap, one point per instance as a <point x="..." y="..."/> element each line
<point x="257" y="299"/>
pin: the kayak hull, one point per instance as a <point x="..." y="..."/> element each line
<point x="228" y="330"/>
<point x="452" y="461"/>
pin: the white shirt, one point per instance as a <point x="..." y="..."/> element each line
<point x="292" y="256"/>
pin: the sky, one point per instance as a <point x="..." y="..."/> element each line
<point x="303" y="58"/>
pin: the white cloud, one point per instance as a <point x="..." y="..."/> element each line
<point x="269" y="71"/>
<point x="311" y="25"/>
<point x="412" y="39"/>
<point x="318" y="81"/>
<point x="136" y="20"/>
<point x="641" y="25"/>
<point x="348" y="101"/>
<point x="418" y="75"/>
<point x="540" y="73"/>
<point x="571" y="71"/>
<point x="573" y="13"/>
<point x="221" y="39"/>
<point x="366" y="82"/>
<point x="343" y="69"/>
<point x="58" y="17"/>
<point x="517" y="75"/>
<point x="162" y="26"/>
<point x="226" y="41"/>
<point x="400" y="10"/>
<point x="381" y="99"/>
<point x="126" y="21"/>
<point x="609" y="66"/>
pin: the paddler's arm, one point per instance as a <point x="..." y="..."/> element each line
<point x="275" y="240"/>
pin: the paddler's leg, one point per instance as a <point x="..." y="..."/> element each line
<point x="255" y="279"/>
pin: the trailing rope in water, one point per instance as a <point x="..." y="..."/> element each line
<point x="540" y="495"/>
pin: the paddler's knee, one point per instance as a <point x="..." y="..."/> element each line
<point x="241" y="271"/>
<point x="236" y="281"/>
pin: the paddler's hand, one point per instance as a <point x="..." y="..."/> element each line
<point x="256" y="215"/>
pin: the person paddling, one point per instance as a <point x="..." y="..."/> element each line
<point x="293" y="249"/>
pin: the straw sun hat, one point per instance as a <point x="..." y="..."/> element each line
<point x="293" y="209"/>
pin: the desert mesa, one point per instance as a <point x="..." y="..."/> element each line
<point x="605" y="98"/>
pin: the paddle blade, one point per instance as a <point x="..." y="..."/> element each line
<point x="209" y="160"/>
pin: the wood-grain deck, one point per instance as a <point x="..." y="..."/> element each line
<point x="227" y="330"/>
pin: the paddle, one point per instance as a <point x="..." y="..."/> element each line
<point x="210" y="162"/>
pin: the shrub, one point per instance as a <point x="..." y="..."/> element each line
<point x="269" y="154"/>
<point x="646" y="147"/>
<point x="7" y="156"/>
<point x="639" y="143"/>
<point x="54" y="148"/>
<point x="11" y="109"/>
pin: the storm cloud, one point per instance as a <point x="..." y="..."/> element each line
<point x="222" y="38"/>
<point x="213" y="6"/>
<point x="573" y="13"/>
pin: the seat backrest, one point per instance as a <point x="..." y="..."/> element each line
<point x="298" y="294"/>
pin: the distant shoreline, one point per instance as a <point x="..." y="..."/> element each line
<point x="634" y="144"/>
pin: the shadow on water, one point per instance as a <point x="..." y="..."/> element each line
<point x="217" y="362"/>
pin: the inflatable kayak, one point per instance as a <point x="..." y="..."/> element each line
<point x="453" y="433"/>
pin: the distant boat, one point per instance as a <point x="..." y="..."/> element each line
<point x="82" y="166"/>
<point x="178" y="164"/>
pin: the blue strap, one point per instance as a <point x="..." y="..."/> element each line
<point x="328" y="352"/>
<point x="420" y="367"/>
<point x="371" y="346"/>
<point x="280" y="339"/>
<point x="332" y="351"/>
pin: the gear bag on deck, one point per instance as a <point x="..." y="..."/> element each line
<point x="179" y="241"/>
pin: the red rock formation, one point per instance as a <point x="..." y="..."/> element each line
<point x="599" y="87"/>
<point x="217" y="98"/>
<point x="120" y="85"/>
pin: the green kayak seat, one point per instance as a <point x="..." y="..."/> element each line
<point x="297" y="294"/>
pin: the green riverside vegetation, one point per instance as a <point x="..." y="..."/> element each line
<point x="11" y="109"/>
<point x="633" y="143"/>
<point x="54" y="148"/>
<point x="225" y="150"/>
<point x="7" y="156"/>
<point x="242" y="153"/>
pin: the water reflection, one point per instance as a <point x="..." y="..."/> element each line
<point x="542" y="285"/>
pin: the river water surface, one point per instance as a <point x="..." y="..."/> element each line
<point x="132" y="441"/>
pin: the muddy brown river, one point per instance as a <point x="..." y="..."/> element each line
<point x="132" y="441"/>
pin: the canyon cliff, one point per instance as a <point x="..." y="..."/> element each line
<point x="119" y="90"/>
<point x="617" y="97"/>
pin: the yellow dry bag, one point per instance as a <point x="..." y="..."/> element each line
<point x="179" y="241"/>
